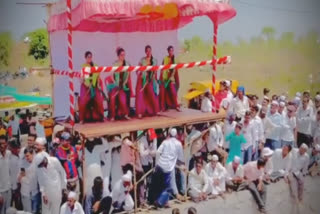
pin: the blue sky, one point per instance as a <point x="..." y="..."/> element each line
<point x="298" y="16"/>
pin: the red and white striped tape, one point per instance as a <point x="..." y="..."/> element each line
<point x="86" y="71"/>
<point x="214" y="65"/>
<point x="71" y="86"/>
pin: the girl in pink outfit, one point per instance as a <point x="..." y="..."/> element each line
<point x="146" y="97"/>
<point x="120" y="91"/>
<point x="91" y="97"/>
<point x="169" y="84"/>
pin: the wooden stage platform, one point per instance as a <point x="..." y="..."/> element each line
<point x="164" y="120"/>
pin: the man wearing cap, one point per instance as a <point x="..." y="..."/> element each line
<point x="304" y="120"/>
<point x="299" y="169"/>
<point x="169" y="154"/>
<point x="234" y="177"/>
<point x="52" y="182"/>
<point x="314" y="165"/>
<point x="273" y="136"/>
<point x="282" y="109"/>
<point x="5" y="171"/>
<point x="121" y="198"/>
<point x="68" y="157"/>
<point x="216" y="176"/>
<point x="258" y="131"/>
<point x="14" y="160"/>
<point x="249" y="134"/>
<point x="266" y="154"/>
<point x="253" y="174"/>
<point x="72" y="206"/>
<point x="240" y="104"/>
<point x="316" y="128"/>
<point x="229" y="126"/>
<point x="281" y="159"/>
<point x="40" y="144"/>
<point x="198" y="182"/>
<point x="287" y="135"/>
<point x="216" y="141"/>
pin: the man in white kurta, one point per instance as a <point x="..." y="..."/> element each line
<point x="5" y="185"/>
<point x="316" y="128"/>
<point x="206" y="103"/>
<point x="198" y="183"/>
<point x="121" y="198"/>
<point x="281" y="159"/>
<point x="305" y="119"/>
<point x="52" y="181"/>
<point x="169" y="154"/>
<point x="266" y="154"/>
<point x="240" y="104"/>
<point x="299" y="168"/>
<point x="216" y="176"/>
<point x="72" y="206"/>
<point x="234" y="176"/>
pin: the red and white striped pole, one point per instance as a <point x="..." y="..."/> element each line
<point x="214" y="65"/>
<point x="71" y="87"/>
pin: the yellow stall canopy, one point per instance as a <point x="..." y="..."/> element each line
<point x="200" y="87"/>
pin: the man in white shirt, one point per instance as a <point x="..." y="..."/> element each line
<point x="253" y="174"/>
<point x="216" y="141"/>
<point x="72" y="206"/>
<point x="234" y="177"/>
<point x="258" y="130"/>
<point x="206" y="103"/>
<point x="14" y="172"/>
<point x="240" y="104"/>
<point x="121" y="198"/>
<point x="273" y="137"/>
<point x="299" y="169"/>
<point x="216" y="176"/>
<point x="169" y="154"/>
<point x="28" y="181"/>
<point x="52" y="182"/>
<point x="148" y="149"/>
<point x="229" y="126"/>
<point x="314" y="164"/>
<point x="281" y="163"/>
<point x="249" y="134"/>
<point x="266" y="154"/>
<point x="198" y="182"/>
<point x="289" y="127"/>
<point x="304" y="121"/>
<point x="5" y="185"/>
<point x="14" y="123"/>
<point x="40" y="144"/>
<point x="316" y="128"/>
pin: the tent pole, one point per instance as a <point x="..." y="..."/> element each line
<point x="214" y="65"/>
<point x="70" y="63"/>
<point x="185" y="159"/>
<point x="48" y="6"/>
<point x="84" y="170"/>
<point x="134" y="175"/>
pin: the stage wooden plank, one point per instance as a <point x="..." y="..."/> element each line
<point x="164" y="120"/>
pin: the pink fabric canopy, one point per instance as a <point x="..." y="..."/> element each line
<point x="136" y="15"/>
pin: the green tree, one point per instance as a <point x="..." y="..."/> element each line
<point x="268" y="32"/>
<point x="5" y="49"/>
<point x="39" y="44"/>
<point x="187" y="45"/>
